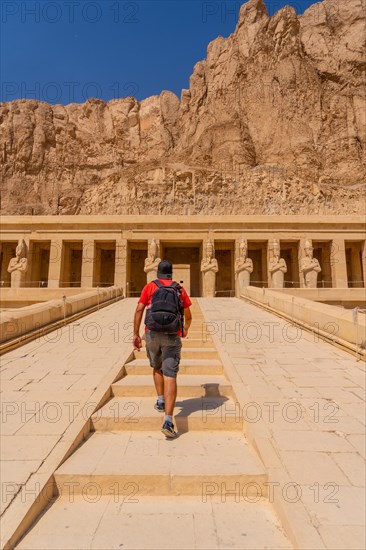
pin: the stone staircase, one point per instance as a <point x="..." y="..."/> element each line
<point x="127" y="486"/>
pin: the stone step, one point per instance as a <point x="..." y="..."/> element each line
<point x="187" y="353"/>
<point x="188" y="465"/>
<point x="197" y="413"/>
<point x="198" y="332"/>
<point x="131" y="521"/>
<point x="127" y="486"/>
<point x="191" y="342"/>
<point x="194" y="385"/>
<point x="196" y="341"/>
<point x="187" y="366"/>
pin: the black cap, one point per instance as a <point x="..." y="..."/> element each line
<point x="165" y="269"/>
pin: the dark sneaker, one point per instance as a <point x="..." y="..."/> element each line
<point x="168" y="429"/>
<point x="159" y="406"/>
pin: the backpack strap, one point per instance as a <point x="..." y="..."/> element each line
<point x="174" y="285"/>
<point x="179" y="289"/>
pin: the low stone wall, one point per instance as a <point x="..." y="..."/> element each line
<point x="18" y="322"/>
<point x="335" y="321"/>
<point x="337" y="295"/>
<point x="33" y="295"/>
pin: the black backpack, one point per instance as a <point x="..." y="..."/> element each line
<point x="166" y="312"/>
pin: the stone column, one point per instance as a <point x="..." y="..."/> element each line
<point x="18" y="265"/>
<point x="120" y="270"/>
<point x="153" y="260"/>
<point x="276" y="266"/>
<point x="364" y="263"/>
<point x="269" y="260"/>
<point x="243" y="266"/>
<point x="88" y="260"/>
<point x="338" y="264"/>
<point x="209" y="268"/>
<point x="309" y="266"/>
<point x="54" y="269"/>
<point x="264" y="260"/>
<point x="301" y="255"/>
<point x="32" y="260"/>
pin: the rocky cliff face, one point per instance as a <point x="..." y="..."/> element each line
<point x="274" y="122"/>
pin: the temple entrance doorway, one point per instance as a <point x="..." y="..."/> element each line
<point x="136" y="276"/>
<point x="290" y="253"/>
<point x="322" y="251"/>
<point x="104" y="266"/>
<point x="7" y="252"/>
<point x="186" y="260"/>
<point x="40" y="253"/>
<point x="71" y="263"/>
<point x="225" y="283"/>
<point x="354" y="261"/>
<point x="257" y="252"/>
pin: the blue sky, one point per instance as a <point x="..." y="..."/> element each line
<point x="64" y="51"/>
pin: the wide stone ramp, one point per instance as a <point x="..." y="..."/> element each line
<point x="156" y="523"/>
<point x="127" y="486"/>
<point x="194" y="385"/>
<point x="190" y="465"/>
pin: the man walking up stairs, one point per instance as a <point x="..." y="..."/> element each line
<point x="168" y="318"/>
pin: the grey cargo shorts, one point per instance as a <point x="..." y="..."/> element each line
<point x="163" y="351"/>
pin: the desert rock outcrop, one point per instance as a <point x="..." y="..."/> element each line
<point x="274" y="122"/>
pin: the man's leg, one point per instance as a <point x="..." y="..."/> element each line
<point x="154" y="354"/>
<point x="170" y="394"/>
<point x="158" y="381"/>
<point x="171" y="345"/>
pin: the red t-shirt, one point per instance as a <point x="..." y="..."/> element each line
<point x="149" y="289"/>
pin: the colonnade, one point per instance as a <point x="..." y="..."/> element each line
<point x="210" y="266"/>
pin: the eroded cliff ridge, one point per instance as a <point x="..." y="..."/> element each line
<point x="274" y="122"/>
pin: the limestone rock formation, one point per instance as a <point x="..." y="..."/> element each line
<point x="273" y="123"/>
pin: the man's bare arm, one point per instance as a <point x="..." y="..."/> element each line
<point x="136" y="325"/>
<point x="187" y="320"/>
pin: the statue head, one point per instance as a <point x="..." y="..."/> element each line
<point x="209" y="250"/>
<point x="243" y="248"/>
<point x="308" y="249"/>
<point x="21" y="249"/>
<point x="153" y="250"/>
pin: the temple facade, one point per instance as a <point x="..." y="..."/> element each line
<point x="211" y="255"/>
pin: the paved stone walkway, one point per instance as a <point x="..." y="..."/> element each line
<point x="303" y="402"/>
<point x="165" y="494"/>
<point x="49" y="388"/>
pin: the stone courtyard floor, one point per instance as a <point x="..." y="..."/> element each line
<point x="49" y="388"/>
<point x="300" y="403"/>
<point x="305" y="413"/>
